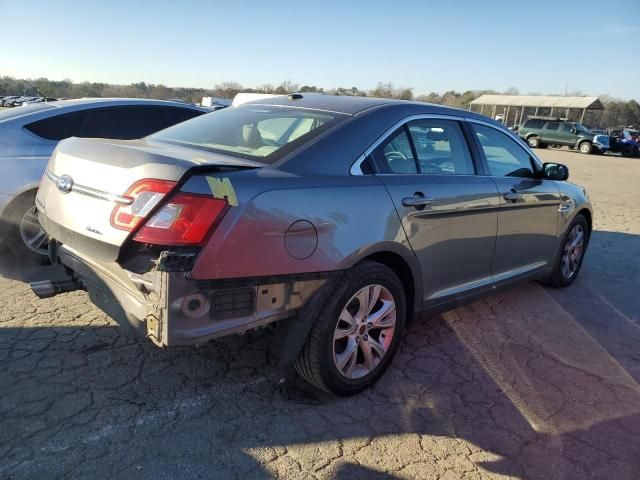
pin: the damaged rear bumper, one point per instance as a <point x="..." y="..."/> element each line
<point x="172" y="309"/>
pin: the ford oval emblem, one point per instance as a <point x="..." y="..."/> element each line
<point x="64" y="183"/>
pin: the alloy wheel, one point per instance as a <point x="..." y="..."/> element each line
<point x="364" y="331"/>
<point x="573" y="250"/>
<point x="33" y="236"/>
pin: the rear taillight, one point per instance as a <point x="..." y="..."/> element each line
<point x="145" y="195"/>
<point x="185" y="219"/>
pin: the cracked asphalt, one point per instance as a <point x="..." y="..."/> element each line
<point x="527" y="383"/>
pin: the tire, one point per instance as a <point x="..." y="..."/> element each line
<point x="19" y="225"/>
<point x="628" y="151"/>
<point x="534" y="142"/>
<point x="325" y="361"/>
<point x="585" y="147"/>
<point x="560" y="277"/>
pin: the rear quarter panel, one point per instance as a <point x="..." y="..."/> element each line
<point x="351" y="217"/>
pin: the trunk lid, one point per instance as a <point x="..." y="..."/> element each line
<point x="87" y="178"/>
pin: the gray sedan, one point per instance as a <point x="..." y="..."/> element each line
<point x="342" y="218"/>
<point x="28" y="135"/>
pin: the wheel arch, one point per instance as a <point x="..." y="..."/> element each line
<point x="407" y="275"/>
<point x="587" y="215"/>
<point x="400" y="258"/>
<point x="19" y="197"/>
<point x="296" y="330"/>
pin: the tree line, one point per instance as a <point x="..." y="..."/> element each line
<point x="617" y="112"/>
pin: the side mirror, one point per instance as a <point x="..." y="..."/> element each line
<point x="555" y="171"/>
<point x="573" y="130"/>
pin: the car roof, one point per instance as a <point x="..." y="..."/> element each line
<point x="351" y="105"/>
<point x="89" y="101"/>
<point x="333" y="103"/>
<point x="63" y="106"/>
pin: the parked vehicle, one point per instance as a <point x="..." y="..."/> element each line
<point x="29" y="134"/>
<point x="602" y="143"/>
<point x="16" y="102"/>
<point x="625" y="141"/>
<point x="541" y="132"/>
<point x="6" y="100"/>
<point x="329" y="212"/>
<point x="41" y="99"/>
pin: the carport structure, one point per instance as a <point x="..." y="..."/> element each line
<point x="533" y="105"/>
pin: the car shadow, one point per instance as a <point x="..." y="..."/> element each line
<point x="530" y="382"/>
<point x="27" y="269"/>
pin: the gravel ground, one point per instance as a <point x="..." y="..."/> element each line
<point x="528" y="383"/>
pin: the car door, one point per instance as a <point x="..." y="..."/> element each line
<point x="568" y="134"/>
<point x="528" y="215"/>
<point x="449" y="213"/>
<point x="551" y="133"/>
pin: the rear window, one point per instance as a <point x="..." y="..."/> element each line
<point x="121" y="122"/>
<point x="58" y="127"/>
<point x="534" y="123"/>
<point x="253" y="132"/>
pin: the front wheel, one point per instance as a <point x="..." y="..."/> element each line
<point x="569" y="260"/>
<point x="356" y="330"/>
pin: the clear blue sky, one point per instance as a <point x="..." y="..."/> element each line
<point x="535" y="46"/>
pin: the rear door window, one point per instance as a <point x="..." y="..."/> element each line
<point x="552" y="126"/>
<point x="427" y="146"/>
<point x="395" y="154"/>
<point x="440" y="147"/>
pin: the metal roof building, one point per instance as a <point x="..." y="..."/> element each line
<point x="520" y="103"/>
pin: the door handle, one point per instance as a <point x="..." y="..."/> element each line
<point x="417" y="201"/>
<point x="512" y="196"/>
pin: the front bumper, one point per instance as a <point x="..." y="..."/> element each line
<point x="172" y="309"/>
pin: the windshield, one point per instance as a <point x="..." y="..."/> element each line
<point x="254" y="132"/>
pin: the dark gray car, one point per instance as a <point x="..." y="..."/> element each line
<point x="342" y="217"/>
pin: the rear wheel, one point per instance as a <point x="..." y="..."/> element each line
<point x="534" y="142"/>
<point x="585" y="147"/>
<point x="24" y="236"/>
<point x="629" y="151"/>
<point x="356" y="331"/>
<point x="570" y="258"/>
